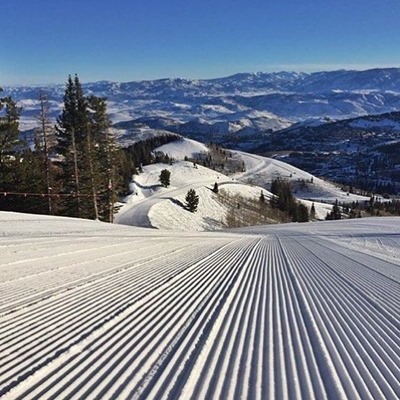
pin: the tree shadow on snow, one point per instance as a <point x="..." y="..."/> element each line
<point x="177" y="202"/>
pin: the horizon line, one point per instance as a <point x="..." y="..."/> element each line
<point x="291" y="68"/>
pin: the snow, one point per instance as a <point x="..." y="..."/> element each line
<point x="128" y="137"/>
<point x="93" y="310"/>
<point x="183" y="148"/>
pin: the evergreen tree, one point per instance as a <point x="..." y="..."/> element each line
<point x="262" y="197"/>
<point x="70" y="146"/>
<point x="29" y="177"/>
<point x="9" y="130"/>
<point x="45" y="141"/>
<point x="106" y="158"/>
<point x="284" y="199"/>
<point x="302" y="213"/>
<point x="9" y="145"/>
<point x="164" y="177"/>
<point x="192" y="200"/>
<point x="336" y="213"/>
<point x="90" y="155"/>
<point x="215" y="188"/>
<point x="312" y="211"/>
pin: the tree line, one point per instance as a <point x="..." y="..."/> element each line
<point x="74" y="166"/>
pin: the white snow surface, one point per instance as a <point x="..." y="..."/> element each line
<point x="295" y="311"/>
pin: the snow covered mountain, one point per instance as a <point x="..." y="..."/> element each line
<point x="255" y="101"/>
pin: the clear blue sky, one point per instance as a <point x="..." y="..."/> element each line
<point x="42" y="41"/>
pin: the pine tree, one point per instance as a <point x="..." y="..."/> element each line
<point x="106" y="158"/>
<point x="302" y="213"/>
<point x="312" y="211"/>
<point x="79" y="132"/>
<point x="215" y="188"/>
<point x="262" y="197"/>
<point x="164" y="177"/>
<point x="69" y="142"/>
<point x="9" y="130"/>
<point x="192" y="200"/>
<point x="28" y="176"/>
<point x="9" y="145"/>
<point x="284" y="199"/>
<point x="45" y="141"/>
<point x="335" y="213"/>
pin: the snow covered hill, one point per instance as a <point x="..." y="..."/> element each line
<point x="297" y="311"/>
<point x="151" y="205"/>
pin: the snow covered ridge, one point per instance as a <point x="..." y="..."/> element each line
<point x="282" y="312"/>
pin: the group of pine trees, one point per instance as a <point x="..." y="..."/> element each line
<point x="286" y="202"/>
<point x="72" y="169"/>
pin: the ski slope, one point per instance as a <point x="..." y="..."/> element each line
<point x="151" y="205"/>
<point x="147" y="193"/>
<point x="92" y="310"/>
<point x="260" y="171"/>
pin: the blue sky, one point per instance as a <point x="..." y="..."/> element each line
<point x="42" y="41"/>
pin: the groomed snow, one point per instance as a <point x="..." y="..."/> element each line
<point x="295" y="311"/>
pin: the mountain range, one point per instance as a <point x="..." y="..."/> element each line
<point x="248" y="102"/>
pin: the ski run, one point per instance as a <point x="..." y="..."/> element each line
<point x="299" y="311"/>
